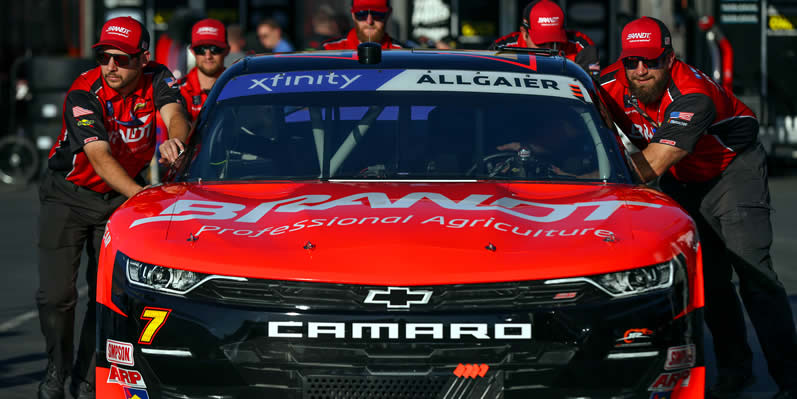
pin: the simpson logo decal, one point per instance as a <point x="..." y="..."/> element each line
<point x="400" y="80"/>
<point x="668" y="381"/>
<point x="182" y="210"/>
<point x="80" y="111"/>
<point x="471" y="370"/>
<point x="119" y="352"/>
<point x="128" y="378"/>
<point x="680" y="357"/>
<point x="132" y="393"/>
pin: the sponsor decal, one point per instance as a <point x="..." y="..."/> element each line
<point x="398" y="297"/>
<point x="132" y="393"/>
<point x="577" y="92"/>
<point x="661" y="395"/>
<point x="637" y="37"/>
<point x="106" y="236"/>
<point x="687" y="116"/>
<point x="182" y="210"/>
<point x="119" y="352"/>
<point x="399" y="80"/>
<point x="680" y="357"/>
<point x="668" y="381"/>
<point x="126" y="377"/>
<point x="565" y="295"/>
<point x="207" y="30"/>
<point x="643" y="131"/>
<point x="85" y="122"/>
<point x="471" y="370"/>
<point x="549" y="21"/>
<point x="404" y="331"/>
<point x="677" y="122"/>
<point x="155" y="317"/>
<point x="90" y="139"/>
<point x="135" y="134"/>
<point x="668" y="142"/>
<point x="140" y="105"/>
<point x="80" y="111"/>
<point x="118" y="30"/>
<point x="634" y="334"/>
<point x="170" y="81"/>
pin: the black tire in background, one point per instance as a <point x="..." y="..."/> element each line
<point x="19" y="160"/>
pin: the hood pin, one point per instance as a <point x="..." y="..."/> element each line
<point x="309" y="245"/>
<point x="610" y="238"/>
<point x="192" y="237"/>
<point x="490" y="247"/>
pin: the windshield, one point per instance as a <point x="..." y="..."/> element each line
<point x="438" y="134"/>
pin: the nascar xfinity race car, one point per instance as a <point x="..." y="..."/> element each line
<point x="401" y="224"/>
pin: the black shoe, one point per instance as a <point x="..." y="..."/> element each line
<point x="730" y="387"/>
<point x="81" y="389"/>
<point x="52" y="386"/>
<point x="786" y="394"/>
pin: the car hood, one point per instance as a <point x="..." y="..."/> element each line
<point x="401" y="233"/>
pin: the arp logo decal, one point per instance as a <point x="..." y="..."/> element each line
<point x="680" y="357"/>
<point x="668" y="381"/>
<point x="132" y="393"/>
<point x="182" y="210"/>
<point x="128" y="378"/>
<point x="119" y="352"/>
<point x="471" y="370"/>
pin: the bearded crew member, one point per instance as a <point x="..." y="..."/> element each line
<point x="209" y="45"/>
<point x="702" y="141"/>
<point x="370" y="18"/>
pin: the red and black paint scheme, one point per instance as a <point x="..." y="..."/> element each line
<point x="470" y="288"/>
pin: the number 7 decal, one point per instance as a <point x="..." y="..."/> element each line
<point x="156" y="317"/>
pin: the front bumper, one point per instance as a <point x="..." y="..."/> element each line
<point x="223" y="343"/>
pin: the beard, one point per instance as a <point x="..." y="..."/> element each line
<point x="210" y="70"/>
<point x="122" y="82"/>
<point x="651" y="94"/>
<point x="376" y="36"/>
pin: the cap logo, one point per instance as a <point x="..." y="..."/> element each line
<point x="207" y="30"/>
<point x="638" y="37"/>
<point x="118" y="30"/>
<point x="548" y="21"/>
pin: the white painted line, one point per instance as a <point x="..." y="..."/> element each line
<point x="21" y="319"/>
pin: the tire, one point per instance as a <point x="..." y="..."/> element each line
<point x="19" y="160"/>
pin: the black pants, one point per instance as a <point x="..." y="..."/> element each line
<point x="732" y="213"/>
<point x="70" y="219"/>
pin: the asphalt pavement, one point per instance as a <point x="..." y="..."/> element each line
<point x="22" y="358"/>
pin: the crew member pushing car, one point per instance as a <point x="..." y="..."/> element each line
<point x="106" y="141"/>
<point x="370" y="18"/>
<point x="543" y="26"/>
<point x="209" y="44"/>
<point x="703" y="143"/>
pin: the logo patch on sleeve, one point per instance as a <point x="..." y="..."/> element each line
<point x="684" y="116"/>
<point x="90" y="139"/>
<point x="170" y="81"/>
<point x="80" y="111"/>
<point x="668" y="142"/>
<point x="85" y="122"/>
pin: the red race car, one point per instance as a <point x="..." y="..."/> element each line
<point x="406" y="224"/>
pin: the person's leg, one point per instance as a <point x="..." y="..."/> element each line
<point x="747" y="231"/>
<point x="84" y="367"/>
<point x="60" y="244"/>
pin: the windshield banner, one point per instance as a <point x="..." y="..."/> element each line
<point x="405" y="80"/>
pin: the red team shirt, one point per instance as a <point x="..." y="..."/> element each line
<point x="576" y="41"/>
<point x="350" y="42"/>
<point x="93" y="111"/>
<point x="695" y="114"/>
<point x="192" y="93"/>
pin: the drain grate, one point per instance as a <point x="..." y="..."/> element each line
<point x="333" y="387"/>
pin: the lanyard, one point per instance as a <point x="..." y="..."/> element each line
<point x="635" y="103"/>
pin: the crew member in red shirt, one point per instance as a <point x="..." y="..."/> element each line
<point x="209" y="44"/>
<point x="106" y="141"/>
<point x="370" y="18"/>
<point x="542" y="26"/>
<point x="703" y="143"/>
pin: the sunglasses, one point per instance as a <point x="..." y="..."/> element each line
<point x="376" y="15"/>
<point x="121" y="60"/>
<point x="215" y="50"/>
<point x="656" y="63"/>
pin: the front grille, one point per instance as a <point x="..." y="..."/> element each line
<point x="346" y="297"/>
<point x="398" y="387"/>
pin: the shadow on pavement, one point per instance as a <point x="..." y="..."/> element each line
<point x="24" y="379"/>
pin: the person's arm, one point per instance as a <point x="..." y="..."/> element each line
<point x="175" y="118"/>
<point x="109" y="169"/>
<point x="688" y="119"/>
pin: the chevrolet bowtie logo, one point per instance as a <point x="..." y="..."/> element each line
<point x="398" y="297"/>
